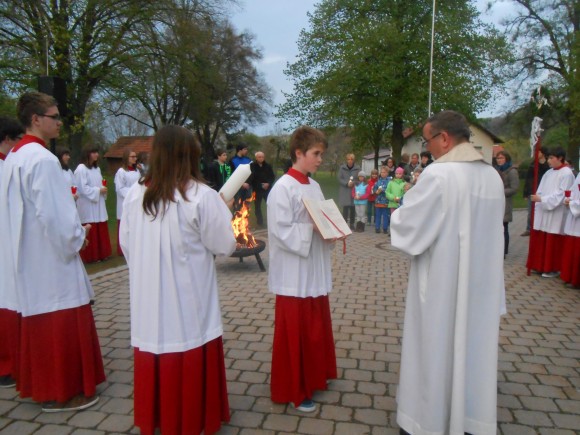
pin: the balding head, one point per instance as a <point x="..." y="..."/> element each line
<point x="260" y="157"/>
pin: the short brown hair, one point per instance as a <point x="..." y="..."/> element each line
<point x="174" y="163"/>
<point x="33" y="103"/>
<point x="304" y="138"/>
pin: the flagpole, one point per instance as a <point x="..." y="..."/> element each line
<point x="431" y="59"/>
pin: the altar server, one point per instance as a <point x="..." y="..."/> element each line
<point x="547" y="236"/>
<point x="92" y="191"/>
<point x="303" y="354"/>
<point x="173" y="225"/>
<point x="43" y="277"/>
<point x="571" y="252"/>
<point x="126" y="176"/>
<point x="10" y="133"/>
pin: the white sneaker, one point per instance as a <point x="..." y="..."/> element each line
<point x="550" y="274"/>
<point x="306" y="406"/>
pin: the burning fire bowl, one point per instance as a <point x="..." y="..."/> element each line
<point x="244" y="251"/>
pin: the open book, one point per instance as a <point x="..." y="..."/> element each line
<point x="327" y="218"/>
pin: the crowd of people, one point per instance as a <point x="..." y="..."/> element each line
<point x="380" y="195"/>
<point x="447" y="214"/>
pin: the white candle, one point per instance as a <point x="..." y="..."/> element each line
<point x="239" y="177"/>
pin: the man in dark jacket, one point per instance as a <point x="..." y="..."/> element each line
<point x="542" y="168"/>
<point x="261" y="180"/>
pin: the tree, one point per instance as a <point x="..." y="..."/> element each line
<point x="365" y="65"/>
<point x="546" y="33"/>
<point x="81" y="42"/>
<point x="194" y="70"/>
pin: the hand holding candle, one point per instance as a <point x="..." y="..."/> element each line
<point x="104" y="181"/>
<point x="73" y="190"/>
<point x="567" y="193"/>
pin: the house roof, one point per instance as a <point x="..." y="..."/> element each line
<point x="495" y="139"/>
<point x="134" y="143"/>
<point x="383" y="153"/>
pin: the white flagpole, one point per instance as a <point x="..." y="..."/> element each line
<point x="431" y="59"/>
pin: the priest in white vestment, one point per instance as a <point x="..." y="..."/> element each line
<point x="451" y="225"/>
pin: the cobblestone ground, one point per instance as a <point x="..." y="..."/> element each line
<point x="539" y="362"/>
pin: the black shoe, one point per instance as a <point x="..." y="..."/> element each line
<point x="377" y="231"/>
<point x="7" y="381"/>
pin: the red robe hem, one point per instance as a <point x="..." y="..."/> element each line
<point x="99" y="246"/>
<point x="181" y="392"/>
<point x="545" y="251"/>
<point x="9" y="342"/>
<point x="303" y="354"/>
<point x="60" y="355"/>
<point x="570" y="270"/>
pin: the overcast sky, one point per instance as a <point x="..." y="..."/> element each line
<point x="276" y="25"/>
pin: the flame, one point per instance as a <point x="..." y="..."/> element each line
<point x="241" y="225"/>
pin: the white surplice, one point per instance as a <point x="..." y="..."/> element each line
<point x="299" y="259"/>
<point x="572" y="226"/>
<point x="69" y="177"/>
<point x="172" y="275"/>
<point x="91" y="204"/>
<point x="41" y="236"/>
<point x="123" y="181"/>
<point x="550" y="214"/>
<point x="451" y="224"/>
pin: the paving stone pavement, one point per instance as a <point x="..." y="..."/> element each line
<point x="539" y="360"/>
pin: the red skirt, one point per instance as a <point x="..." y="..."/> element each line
<point x="545" y="251"/>
<point x="571" y="261"/>
<point x="99" y="246"/>
<point x="182" y="392"/>
<point x="303" y="355"/>
<point x="9" y="341"/>
<point x="60" y="356"/>
<point x="119" y="250"/>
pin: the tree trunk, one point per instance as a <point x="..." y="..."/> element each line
<point x="397" y="137"/>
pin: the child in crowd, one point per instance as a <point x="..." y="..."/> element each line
<point x="396" y="190"/>
<point x="372" y="197"/>
<point x="381" y="210"/>
<point x="360" y="194"/>
<point x="303" y="354"/>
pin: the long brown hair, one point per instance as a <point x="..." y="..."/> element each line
<point x="174" y="163"/>
<point x="86" y="156"/>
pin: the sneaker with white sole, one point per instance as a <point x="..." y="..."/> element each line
<point x="7" y="381"/>
<point x="77" y="403"/>
<point x="306" y="406"/>
<point x="550" y="274"/>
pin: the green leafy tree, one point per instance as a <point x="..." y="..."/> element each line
<point x="365" y="65"/>
<point x="546" y="34"/>
<point x="81" y="42"/>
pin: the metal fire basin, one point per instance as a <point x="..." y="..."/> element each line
<point x="255" y="251"/>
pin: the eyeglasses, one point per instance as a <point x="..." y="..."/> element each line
<point x="426" y="141"/>
<point x="132" y="157"/>
<point x="56" y="117"/>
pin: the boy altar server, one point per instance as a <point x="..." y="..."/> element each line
<point x="452" y="225"/>
<point x="43" y="277"/>
<point x="303" y="355"/>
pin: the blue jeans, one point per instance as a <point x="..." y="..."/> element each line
<point x="382" y="213"/>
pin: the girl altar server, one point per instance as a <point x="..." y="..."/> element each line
<point x="92" y="192"/>
<point x="571" y="252"/>
<point x="172" y="227"/>
<point x="303" y="355"/>
<point x="126" y="176"/>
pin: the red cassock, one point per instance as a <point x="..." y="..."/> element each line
<point x="570" y="269"/>
<point x="545" y="251"/>
<point x="303" y="355"/>
<point x="99" y="246"/>
<point x="9" y="342"/>
<point x="181" y="392"/>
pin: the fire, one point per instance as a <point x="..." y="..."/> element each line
<point x="241" y="226"/>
